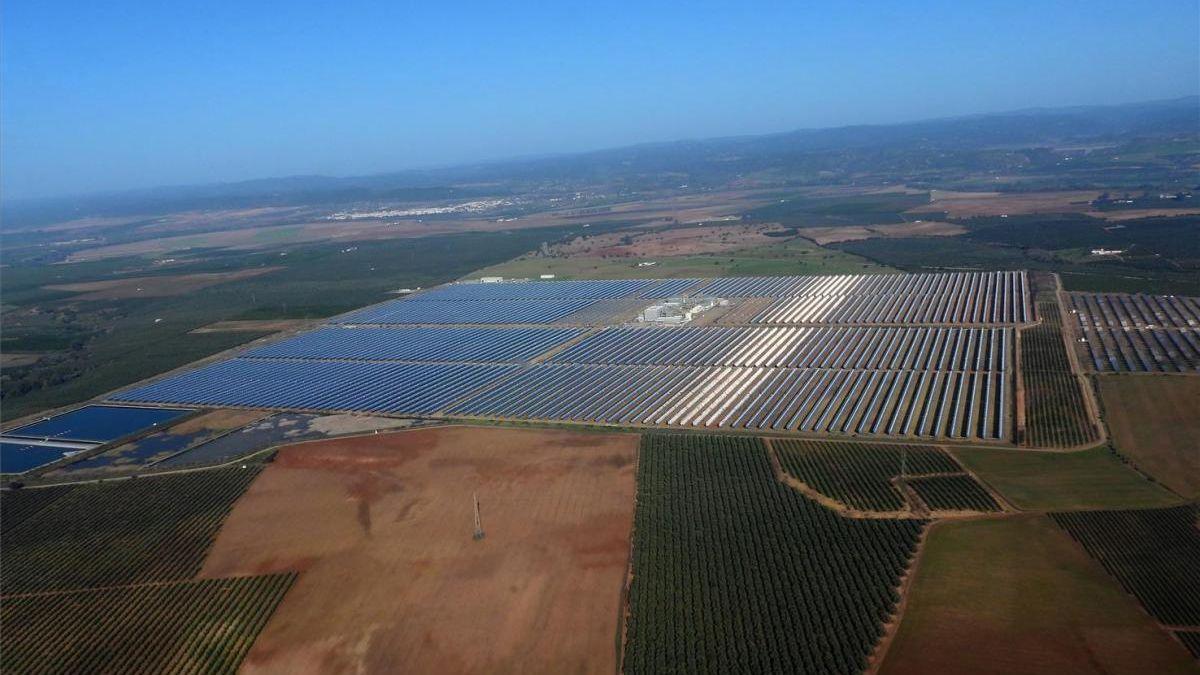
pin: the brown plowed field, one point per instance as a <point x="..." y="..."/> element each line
<point x="380" y="528"/>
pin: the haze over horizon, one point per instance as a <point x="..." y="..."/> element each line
<point x="127" y="97"/>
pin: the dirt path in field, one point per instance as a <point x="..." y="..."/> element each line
<point x="380" y="529"/>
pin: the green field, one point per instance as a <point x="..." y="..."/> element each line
<point x="1155" y="422"/>
<point x="1063" y="481"/>
<point x="1016" y="595"/>
<point x="735" y="572"/>
<point x="794" y="256"/>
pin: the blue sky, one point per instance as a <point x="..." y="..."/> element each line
<point x="113" y="95"/>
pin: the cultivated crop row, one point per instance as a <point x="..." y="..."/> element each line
<point x="909" y="403"/>
<point x="146" y="529"/>
<point x="1143" y="349"/>
<point x="1121" y="310"/>
<point x="1055" y="412"/>
<point x="17" y="506"/>
<point x="413" y="388"/>
<point x="735" y="572"/>
<point x="977" y="349"/>
<point x="501" y="345"/>
<point x="952" y="493"/>
<point x="860" y="475"/>
<point x="1154" y="553"/>
<point x="204" y="626"/>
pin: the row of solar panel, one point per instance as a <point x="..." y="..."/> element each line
<point x="465" y="312"/>
<point x="867" y="348"/>
<point x="1119" y="310"/>
<point x="1143" y="349"/>
<point x="924" y="403"/>
<point x="945" y="283"/>
<point x="410" y="388"/>
<point x="908" y="403"/>
<point x="494" y="345"/>
<point x="981" y="299"/>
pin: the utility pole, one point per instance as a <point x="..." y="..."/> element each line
<point x="478" y="523"/>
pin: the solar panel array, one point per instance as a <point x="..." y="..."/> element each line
<point x="1139" y="333"/>
<point x="975" y="298"/>
<point x="506" y="345"/>
<point x="855" y="348"/>
<point x="463" y="350"/>
<point x="412" y="388"/>
<point x="912" y="403"/>
<point x="416" y="311"/>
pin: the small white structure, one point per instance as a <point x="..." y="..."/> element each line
<point x="491" y="280"/>
<point x="546" y="276"/>
<point x="1107" y="251"/>
<point x="677" y="310"/>
<point x="648" y="263"/>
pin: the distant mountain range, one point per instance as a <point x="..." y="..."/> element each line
<point x="807" y="155"/>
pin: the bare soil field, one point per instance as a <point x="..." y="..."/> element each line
<point x="217" y="420"/>
<point x="15" y="359"/>
<point x="1016" y="595"/>
<point x="255" y="326"/>
<point x="924" y="228"/>
<point x="157" y="286"/>
<point x="968" y="204"/>
<point x="1155" y="421"/>
<point x="380" y="528"/>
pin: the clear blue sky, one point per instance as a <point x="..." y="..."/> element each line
<point x="116" y="94"/>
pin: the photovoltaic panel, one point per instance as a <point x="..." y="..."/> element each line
<point x="412" y="311"/>
<point x="418" y="344"/>
<point x="321" y="385"/>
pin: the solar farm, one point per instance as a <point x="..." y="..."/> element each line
<point x="903" y="355"/>
<point x="1139" y="333"/>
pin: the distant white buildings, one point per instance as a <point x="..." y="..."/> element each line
<point x="491" y="280"/>
<point x="1107" y="251"/>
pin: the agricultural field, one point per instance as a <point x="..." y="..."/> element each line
<point x="1153" y="553"/>
<point x="1155" y="421"/>
<point x="203" y="626"/>
<point x="1015" y="595"/>
<point x="101" y="577"/>
<point x="1058" y="481"/>
<point x="380" y="529"/>
<point x="119" y="533"/>
<point x="952" y="493"/>
<point x="861" y="475"/>
<point x="726" y="576"/>
<point x="1056" y="411"/>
